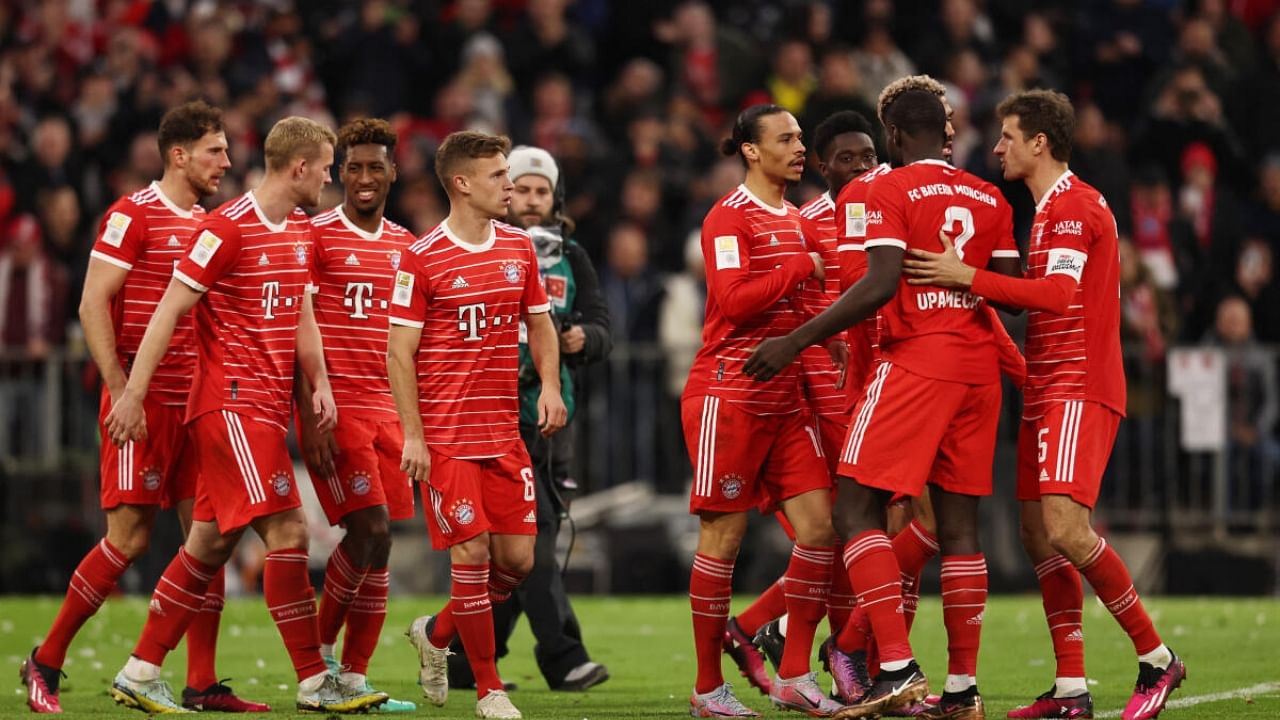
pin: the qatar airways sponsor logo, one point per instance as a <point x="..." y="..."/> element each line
<point x="947" y="299"/>
<point x="1069" y="227"/>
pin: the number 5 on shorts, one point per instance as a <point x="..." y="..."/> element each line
<point x="1044" y="446"/>
<point x="526" y="474"/>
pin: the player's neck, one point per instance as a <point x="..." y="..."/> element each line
<point x="468" y="225"/>
<point x="765" y="189"/>
<point x="178" y="190"/>
<point x="369" y="223"/>
<point x="275" y="198"/>
<point x="1042" y="180"/>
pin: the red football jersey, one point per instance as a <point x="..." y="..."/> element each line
<point x="932" y="331"/>
<point x="819" y="377"/>
<point x="469" y="301"/>
<point x="851" y="226"/>
<point x="756" y="260"/>
<point x="352" y="271"/>
<point x="1075" y="356"/>
<point x="253" y="275"/>
<point x="146" y="234"/>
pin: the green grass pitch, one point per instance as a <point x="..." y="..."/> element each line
<point x="1231" y="646"/>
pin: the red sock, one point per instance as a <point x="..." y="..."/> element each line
<point x="840" y="602"/>
<point x="914" y="547"/>
<point x="202" y="635"/>
<point x="472" y="613"/>
<point x="1110" y="579"/>
<point x="94" y="579"/>
<point x="292" y="602"/>
<point x="710" y="591"/>
<point x="910" y="601"/>
<point x="877" y="581"/>
<point x="964" y="599"/>
<point x="341" y="581"/>
<point x="502" y="582"/>
<point x="178" y="597"/>
<point x="770" y="606"/>
<point x="365" y="619"/>
<point x="808" y="581"/>
<point x="1063" y="595"/>
<point x="856" y="633"/>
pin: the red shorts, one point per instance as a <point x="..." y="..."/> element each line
<point x="908" y="430"/>
<point x="832" y="430"/>
<point x="369" y="474"/>
<point x="468" y="497"/>
<point x="1065" y="452"/>
<point x="155" y="471"/>
<point x="245" y="470"/>
<point x="743" y="461"/>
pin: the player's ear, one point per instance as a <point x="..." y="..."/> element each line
<point x="750" y="152"/>
<point x="392" y="173"/>
<point x="462" y="184"/>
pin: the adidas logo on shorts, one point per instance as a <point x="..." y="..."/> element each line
<point x="1044" y="476"/>
<point x="532" y="517"/>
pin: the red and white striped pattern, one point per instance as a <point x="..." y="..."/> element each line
<point x="817" y="376"/>
<point x="470" y="593"/>
<point x="124" y="466"/>
<point x="83" y="587"/>
<point x="436" y="500"/>
<point x="341" y="578"/>
<point x="468" y="301"/>
<point x="853" y="446"/>
<point x="704" y="473"/>
<point x="243" y="453"/>
<point x="372" y="596"/>
<point x="502" y="583"/>
<point x="157" y="236"/>
<point x="809" y="562"/>
<point x="714" y="573"/>
<point x="1068" y="441"/>
<point x="303" y="608"/>
<point x="352" y="273"/>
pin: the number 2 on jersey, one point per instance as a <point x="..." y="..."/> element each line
<point x="964" y="216"/>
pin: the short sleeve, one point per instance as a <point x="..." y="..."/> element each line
<point x="851" y="222"/>
<point x="409" y="293"/>
<point x="121" y="235"/>
<point x="212" y="254"/>
<point x="1066" y="235"/>
<point x="886" y="217"/>
<point x="316" y="263"/>
<point x="535" y="292"/>
<point x="1006" y="246"/>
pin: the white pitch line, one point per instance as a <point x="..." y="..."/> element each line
<point x="1193" y="700"/>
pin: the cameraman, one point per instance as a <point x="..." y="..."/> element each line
<point x="579" y="310"/>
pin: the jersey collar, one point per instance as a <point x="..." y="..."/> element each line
<point x="164" y="200"/>
<point x="448" y="232"/>
<point x="1057" y="184"/>
<point x="771" y="209"/>
<point x="356" y="229"/>
<point x="273" y="227"/>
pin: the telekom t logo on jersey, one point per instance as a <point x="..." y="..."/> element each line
<point x="359" y="297"/>
<point x="270" y="298"/>
<point x="471" y="320"/>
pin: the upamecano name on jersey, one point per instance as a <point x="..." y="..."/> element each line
<point x="934" y="189"/>
<point x="937" y="299"/>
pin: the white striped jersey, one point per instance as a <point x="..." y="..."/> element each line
<point x="352" y="271"/>
<point x="1076" y="355"/>
<point x="756" y="262"/>
<point x="146" y="234"/>
<point x="253" y="275"/>
<point x="818" y="376"/>
<point x="469" y="300"/>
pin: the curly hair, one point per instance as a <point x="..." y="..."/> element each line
<point x="901" y="85"/>
<point x="367" y="131"/>
<point x="186" y="124"/>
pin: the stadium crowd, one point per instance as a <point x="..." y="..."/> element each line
<point x="1176" y="101"/>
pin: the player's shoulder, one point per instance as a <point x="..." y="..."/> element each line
<point x="234" y="211"/>
<point x="1072" y="195"/>
<point x="818" y="206"/>
<point x="503" y="231"/>
<point x="325" y="219"/>
<point x="431" y="239"/>
<point x="134" y="204"/>
<point x="394" y="229"/>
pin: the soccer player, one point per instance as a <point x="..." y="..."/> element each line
<point x="579" y="312"/>
<point x="844" y="149"/>
<point x="1073" y="400"/>
<point x="245" y="272"/>
<point x="459" y="296"/>
<point x="894" y="446"/>
<point x="355" y="467"/>
<point x="140" y="238"/>
<point x="751" y="442"/>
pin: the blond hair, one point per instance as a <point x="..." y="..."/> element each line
<point x="903" y="84"/>
<point x="295" y="137"/>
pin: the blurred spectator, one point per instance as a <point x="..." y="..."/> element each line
<point x="681" y="313"/>
<point x="792" y="80"/>
<point x="1198" y="46"/>
<point x="1098" y="159"/>
<point x="715" y="64"/>
<point x="1266" y="216"/>
<point x="960" y="25"/>
<point x="1231" y="35"/>
<point x="1039" y="35"/>
<point x="1186" y="111"/>
<point x="840" y="87"/>
<point x="52" y="161"/>
<point x="1258" y="285"/>
<point x="1213" y="213"/>
<point x="1121" y="42"/>
<point x="375" y="61"/>
<point x="1148" y="317"/>
<point x="546" y="41"/>
<point x="630" y="286"/>
<point x="880" y="61"/>
<point x="1155" y="236"/>
<point x="1258" y="103"/>
<point x="484" y="74"/>
<point x="637" y="88"/>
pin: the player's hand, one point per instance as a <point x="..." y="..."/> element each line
<point x="552" y="414"/>
<point x="572" y="340"/>
<point x="944" y="269"/>
<point x="819" y="270"/>
<point x="839" y="353"/>
<point x="325" y="409"/>
<point x="770" y="357"/>
<point x="319" y="447"/>
<point x="415" y="460"/>
<point x="127" y="419"/>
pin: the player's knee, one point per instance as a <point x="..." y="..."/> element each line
<point x="1067" y="538"/>
<point x="816" y="532"/>
<point x="471" y="552"/>
<point x="131" y="542"/>
<point x="959" y="540"/>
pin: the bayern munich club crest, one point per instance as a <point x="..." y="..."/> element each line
<point x="513" y="272"/>
<point x="301" y="252"/>
<point x="151" y="478"/>
<point x="280" y="483"/>
<point x="463" y="511"/>
<point x="360" y="484"/>
<point x="395" y="259"/>
<point x="731" y="486"/>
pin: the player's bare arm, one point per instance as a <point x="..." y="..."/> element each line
<point x="101" y="283"/>
<point x="1051" y="294"/>
<point x="317" y="444"/>
<point x="127" y="420"/>
<point x="402" y="349"/>
<point x="544" y="345"/>
<point x="310" y="358"/>
<point x="884" y="270"/>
